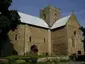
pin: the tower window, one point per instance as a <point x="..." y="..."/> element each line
<point x="44" y="16"/>
<point x="30" y="39"/>
<point x="15" y="36"/>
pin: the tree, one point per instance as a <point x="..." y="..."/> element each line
<point x="9" y="19"/>
<point x="4" y="24"/>
<point x="4" y="5"/>
<point x="15" y="19"/>
<point x="83" y="30"/>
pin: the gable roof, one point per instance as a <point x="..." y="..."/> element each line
<point x="25" y="18"/>
<point x="61" y="22"/>
<point x="32" y="20"/>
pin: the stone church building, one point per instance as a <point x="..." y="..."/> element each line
<point x="48" y="35"/>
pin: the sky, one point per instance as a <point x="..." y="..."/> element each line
<point x="32" y="7"/>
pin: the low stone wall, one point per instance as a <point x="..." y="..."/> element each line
<point x="62" y="58"/>
<point x="3" y="60"/>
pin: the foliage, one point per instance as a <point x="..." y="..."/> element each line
<point x="32" y="60"/>
<point x="15" y="19"/>
<point x="83" y="30"/>
<point x="4" y="24"/>
<point x="9" y="19"/>
<point x="5" y="3"/>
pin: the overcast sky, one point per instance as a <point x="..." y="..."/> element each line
<point x="33" y="7"/>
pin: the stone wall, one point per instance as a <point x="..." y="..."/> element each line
<point x="59" y="41"/>
<point x="17" y="39"/>
<point x="75" y="43"/>
<point x="38" y="36"/>
<point x="66" y="40"/>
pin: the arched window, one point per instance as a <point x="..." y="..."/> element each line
<point x="74" y="33"/>
<point x="46" y="54"/>
<point x="44" y="16"/>
<point x="44" y="40"/>
<point x="55" y="14"/>
<point x="15" y="36"/>
<point x="30" y="39"/>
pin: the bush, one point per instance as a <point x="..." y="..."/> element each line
<point x="11" y="61"/>
<point x="4" y="63"/>
<point x="20" y="61"/>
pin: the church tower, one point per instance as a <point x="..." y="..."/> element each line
<point x="50" y="14"/>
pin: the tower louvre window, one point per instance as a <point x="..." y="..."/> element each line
<point x="44" y="16"/>
<point x="15" y="36"/>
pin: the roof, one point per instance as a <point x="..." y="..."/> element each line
<point x="60" y="22"/>
<point x="32" y="20"/>
<point x="25" y="18"/>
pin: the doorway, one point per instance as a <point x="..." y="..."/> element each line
<point x="34" y="50"/>
<point x="79" y="52"/>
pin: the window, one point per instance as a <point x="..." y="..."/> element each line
<point x="30" y="38"/>
<point x="44" y="16"/>
<point x="46" y="54"/>
<point x="74" y="33"/>
<point x="15" y="36"/>
<point x="44" y="40"/>
<point x="55" y="14"/>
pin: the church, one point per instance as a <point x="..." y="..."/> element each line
<point x="48" y="35"/>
